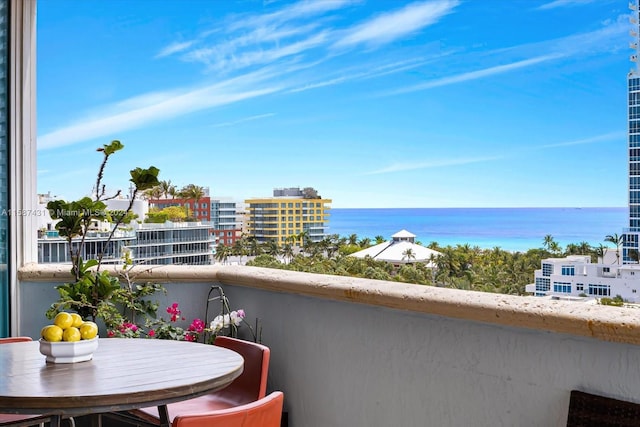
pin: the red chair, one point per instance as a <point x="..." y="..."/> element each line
<point x="250" y="386"/>
<point x="15" y="419"/>
<point x="266" y="412"/>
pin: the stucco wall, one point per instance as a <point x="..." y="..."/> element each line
<point x="348" y="364"/>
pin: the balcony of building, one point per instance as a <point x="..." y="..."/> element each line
<point x="359" y="352"/>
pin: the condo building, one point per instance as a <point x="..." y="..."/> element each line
<point x="290" y="213"/>
<point x="631" y="234"/>
<point x="227" y="217"/>
<point x="575" y="277"/>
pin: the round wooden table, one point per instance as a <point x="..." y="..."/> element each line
<point x="123" y="374"/>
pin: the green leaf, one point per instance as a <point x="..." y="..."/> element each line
<point x="145" y="179"/>
<point x="111" y="148"/>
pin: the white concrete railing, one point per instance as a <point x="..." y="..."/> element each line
<point x="361" y="352"/>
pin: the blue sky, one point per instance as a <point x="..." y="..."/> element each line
<point x="375" y="103"/>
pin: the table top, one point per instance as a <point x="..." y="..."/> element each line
<point x="124" y="374"/>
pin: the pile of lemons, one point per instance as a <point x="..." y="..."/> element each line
<point x="69" y="327"/>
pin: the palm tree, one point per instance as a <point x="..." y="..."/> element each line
<point x="616" y="240"/>
<point x="166" y="188"/>
<point x="600" y="251"/>
<point x="192" y="191"/>
<point x="365" y="243"/>
<point x="271" y="247"/>
<point x="222" y="253"/>
<point x="287" y="252"/>
<point x="379" y="239"/>
<point x="548" y="242"/>
<point x="408" y="254"/>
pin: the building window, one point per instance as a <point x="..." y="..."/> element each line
<point x="579" y="286"/>
<point x="606" y="269"/>
<point x="599" y="290"/>
<point x="547" y="269"/>
<point x="562" y="287"/>
<point x="568" y="270"/>
<point x="542" y="284"/>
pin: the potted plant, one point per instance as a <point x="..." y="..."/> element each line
<point x="95" y="293"/>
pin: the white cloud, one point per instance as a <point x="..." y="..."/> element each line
<point x="478" y="74"/>
<point x="393" y="25"/>
<point x="592" y="140"/>
<point x="174" y="48"/>
<point x="402" y="167"/>
<point x="563" y="3"/>
<point x="243" y="120"/>
<point x="164" y="109"/>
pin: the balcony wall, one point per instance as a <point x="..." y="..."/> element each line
<point x="356" y="352"/>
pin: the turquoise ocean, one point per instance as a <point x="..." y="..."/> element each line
<point x="512" y="229"/>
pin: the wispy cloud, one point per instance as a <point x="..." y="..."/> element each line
<point x="379" y="71"/>
<point x="393" y="25"/>
<point x="474" y="75"/>
<point x="592" y="140"/>
<point x="165" y="107"/>
<point x="243" y="120"/>
<point x="174" y="48"/>
<point x="430" y="164"/>
<point x="563" y="3"/>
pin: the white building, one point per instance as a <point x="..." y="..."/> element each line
<point x="401" y="249"/>
<point x="576" y="276"/>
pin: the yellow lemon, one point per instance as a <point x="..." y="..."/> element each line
<point x="63" y="320"/>
<point x="52" y="333"/>
<point x="88" y="330"/>
<point x="71" y="334"/>
<point x="77" y="320"/>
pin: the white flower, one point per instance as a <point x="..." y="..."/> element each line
<point x="217" y="324"/>
<point x="236" y="319"/>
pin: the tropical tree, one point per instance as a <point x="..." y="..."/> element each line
<point x="616" y="240"/>
<point x="222" y="253"/>
<point x="548" y="242"/>
<point x="408" y="254"/>
<point x="379" y="239"/>
<point x="365" y="243"/>
<point x="166" y="188"/>
<point x="271" y="248"/>
<point x="192" y="192"/>
<point x="287" y="252"/>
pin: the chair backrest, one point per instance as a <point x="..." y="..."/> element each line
<point x="266" y="412"/>
<point x="586" y="410"/>
<point x="14" y="339"/>
<point x="251" y="385"/>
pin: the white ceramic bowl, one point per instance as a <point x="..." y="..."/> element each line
<point x="68" y="352"/>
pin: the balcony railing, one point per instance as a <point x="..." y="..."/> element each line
<point x="359" y="352"/>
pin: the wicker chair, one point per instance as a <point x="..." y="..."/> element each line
<point x="589" y="410"/>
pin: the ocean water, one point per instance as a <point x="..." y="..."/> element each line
<point x="512" y="229"/>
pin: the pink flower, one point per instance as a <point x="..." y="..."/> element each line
<point x="240" y="313"/>
<point x="110" y="334"/>
<point x="174" y="311"/>
<point x="190" y="337"/>
<point x="196" y="326"/>
<point x="151" y="333"/>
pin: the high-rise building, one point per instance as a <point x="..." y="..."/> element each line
<point x="630" y="245"/>
<point x="290" y="213"/>
<point x="226" y="220"/>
